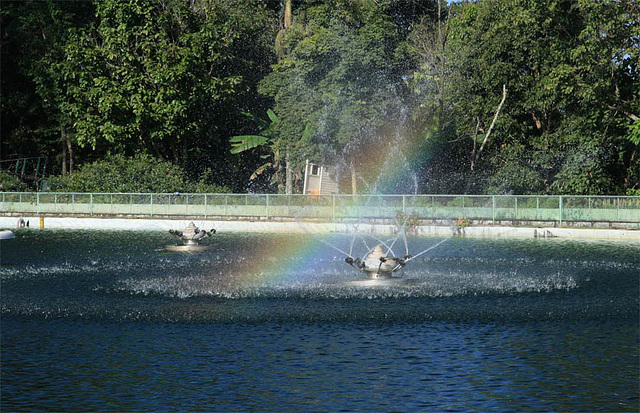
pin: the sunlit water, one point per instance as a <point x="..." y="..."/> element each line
<point x="110" y="321"/>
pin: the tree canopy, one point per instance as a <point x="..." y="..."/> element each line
<point x="488" y="96"/>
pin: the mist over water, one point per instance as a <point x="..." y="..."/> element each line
<point x="479" y="324"/>
<point x="128" y="275"/>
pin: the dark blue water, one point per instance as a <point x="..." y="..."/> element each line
<point x="109" y="321"/>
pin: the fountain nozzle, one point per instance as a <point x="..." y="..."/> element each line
<point x="376" y="264"/>
<point x="191" y="235"/>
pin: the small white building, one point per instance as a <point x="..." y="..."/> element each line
<point x="319" y="180"/>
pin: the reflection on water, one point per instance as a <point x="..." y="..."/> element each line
<point x="272" y="322"/>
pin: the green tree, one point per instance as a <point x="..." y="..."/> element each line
<point x="34" y="77"/>
<point x="568" y="70"/>
<point x="122" y="77"/>
<point x="341" y="78"/>
<point x="429" y="81"/>
<point x="162" y="72"/>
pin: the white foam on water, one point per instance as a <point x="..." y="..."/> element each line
<point x="338" y="285"/>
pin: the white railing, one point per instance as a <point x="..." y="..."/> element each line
<point x="492" y="208"/>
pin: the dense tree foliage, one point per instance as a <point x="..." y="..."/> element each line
<point x="162" y="77"/>
<point x="570" y="73"/>
<point x="489" y="96"/>
<point x="33" y="69"/>
<point x="341" y="77"/>
<point x="140" y="173"/>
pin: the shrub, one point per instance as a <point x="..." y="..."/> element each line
<point x="10" y="183"/>
<point x="410" y="221"/>
<point x="204" y="185"/>
<point x="140" y="174"/>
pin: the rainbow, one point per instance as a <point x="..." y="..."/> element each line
<point x="279" y="263"/>
<point x="296" y="258"/>
<point x="296" y="255"/>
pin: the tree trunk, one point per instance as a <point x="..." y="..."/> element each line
<point x="441" y="44"/>
<point x="70" y="149"/>
<point x="285" y="24"/>
<point x="287" y="14"/>
<point x="474" y="159"/>
<point x="63" y="139"/>
<point x="442" y="40"/>
<point x="354" y="181"/>
<point x="288" y="177"/>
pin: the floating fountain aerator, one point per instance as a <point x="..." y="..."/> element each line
<point x="190" y="237"/>
<point x="377" y="264"/>
<point x="6" y="234"/>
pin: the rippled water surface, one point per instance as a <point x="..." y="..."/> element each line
<point x="111" y="321"/>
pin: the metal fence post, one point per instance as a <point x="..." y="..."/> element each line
<point x="493" y="209"/>
<point x="151" y="202"/>
<point x="464" y="215"/>
<point x="91" y="204"/>
<point x="267" y="212"/>
<point x="561" y="205"/>
<point x="205" y="206"/>
<point x="333" y="207"/>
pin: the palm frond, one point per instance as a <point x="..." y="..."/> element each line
<point x="272" y="116"/>
<point x="242" y="143"/>
<point x="259" y="171"/>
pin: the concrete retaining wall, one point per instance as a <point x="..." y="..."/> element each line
<point x="315" y="227"/>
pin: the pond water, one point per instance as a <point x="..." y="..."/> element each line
<point x="111" y="321"/>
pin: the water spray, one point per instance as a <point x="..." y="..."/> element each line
<point x="428" y="249"/>
<point x="378" y="264"/>
<point x="379" y="261"/>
